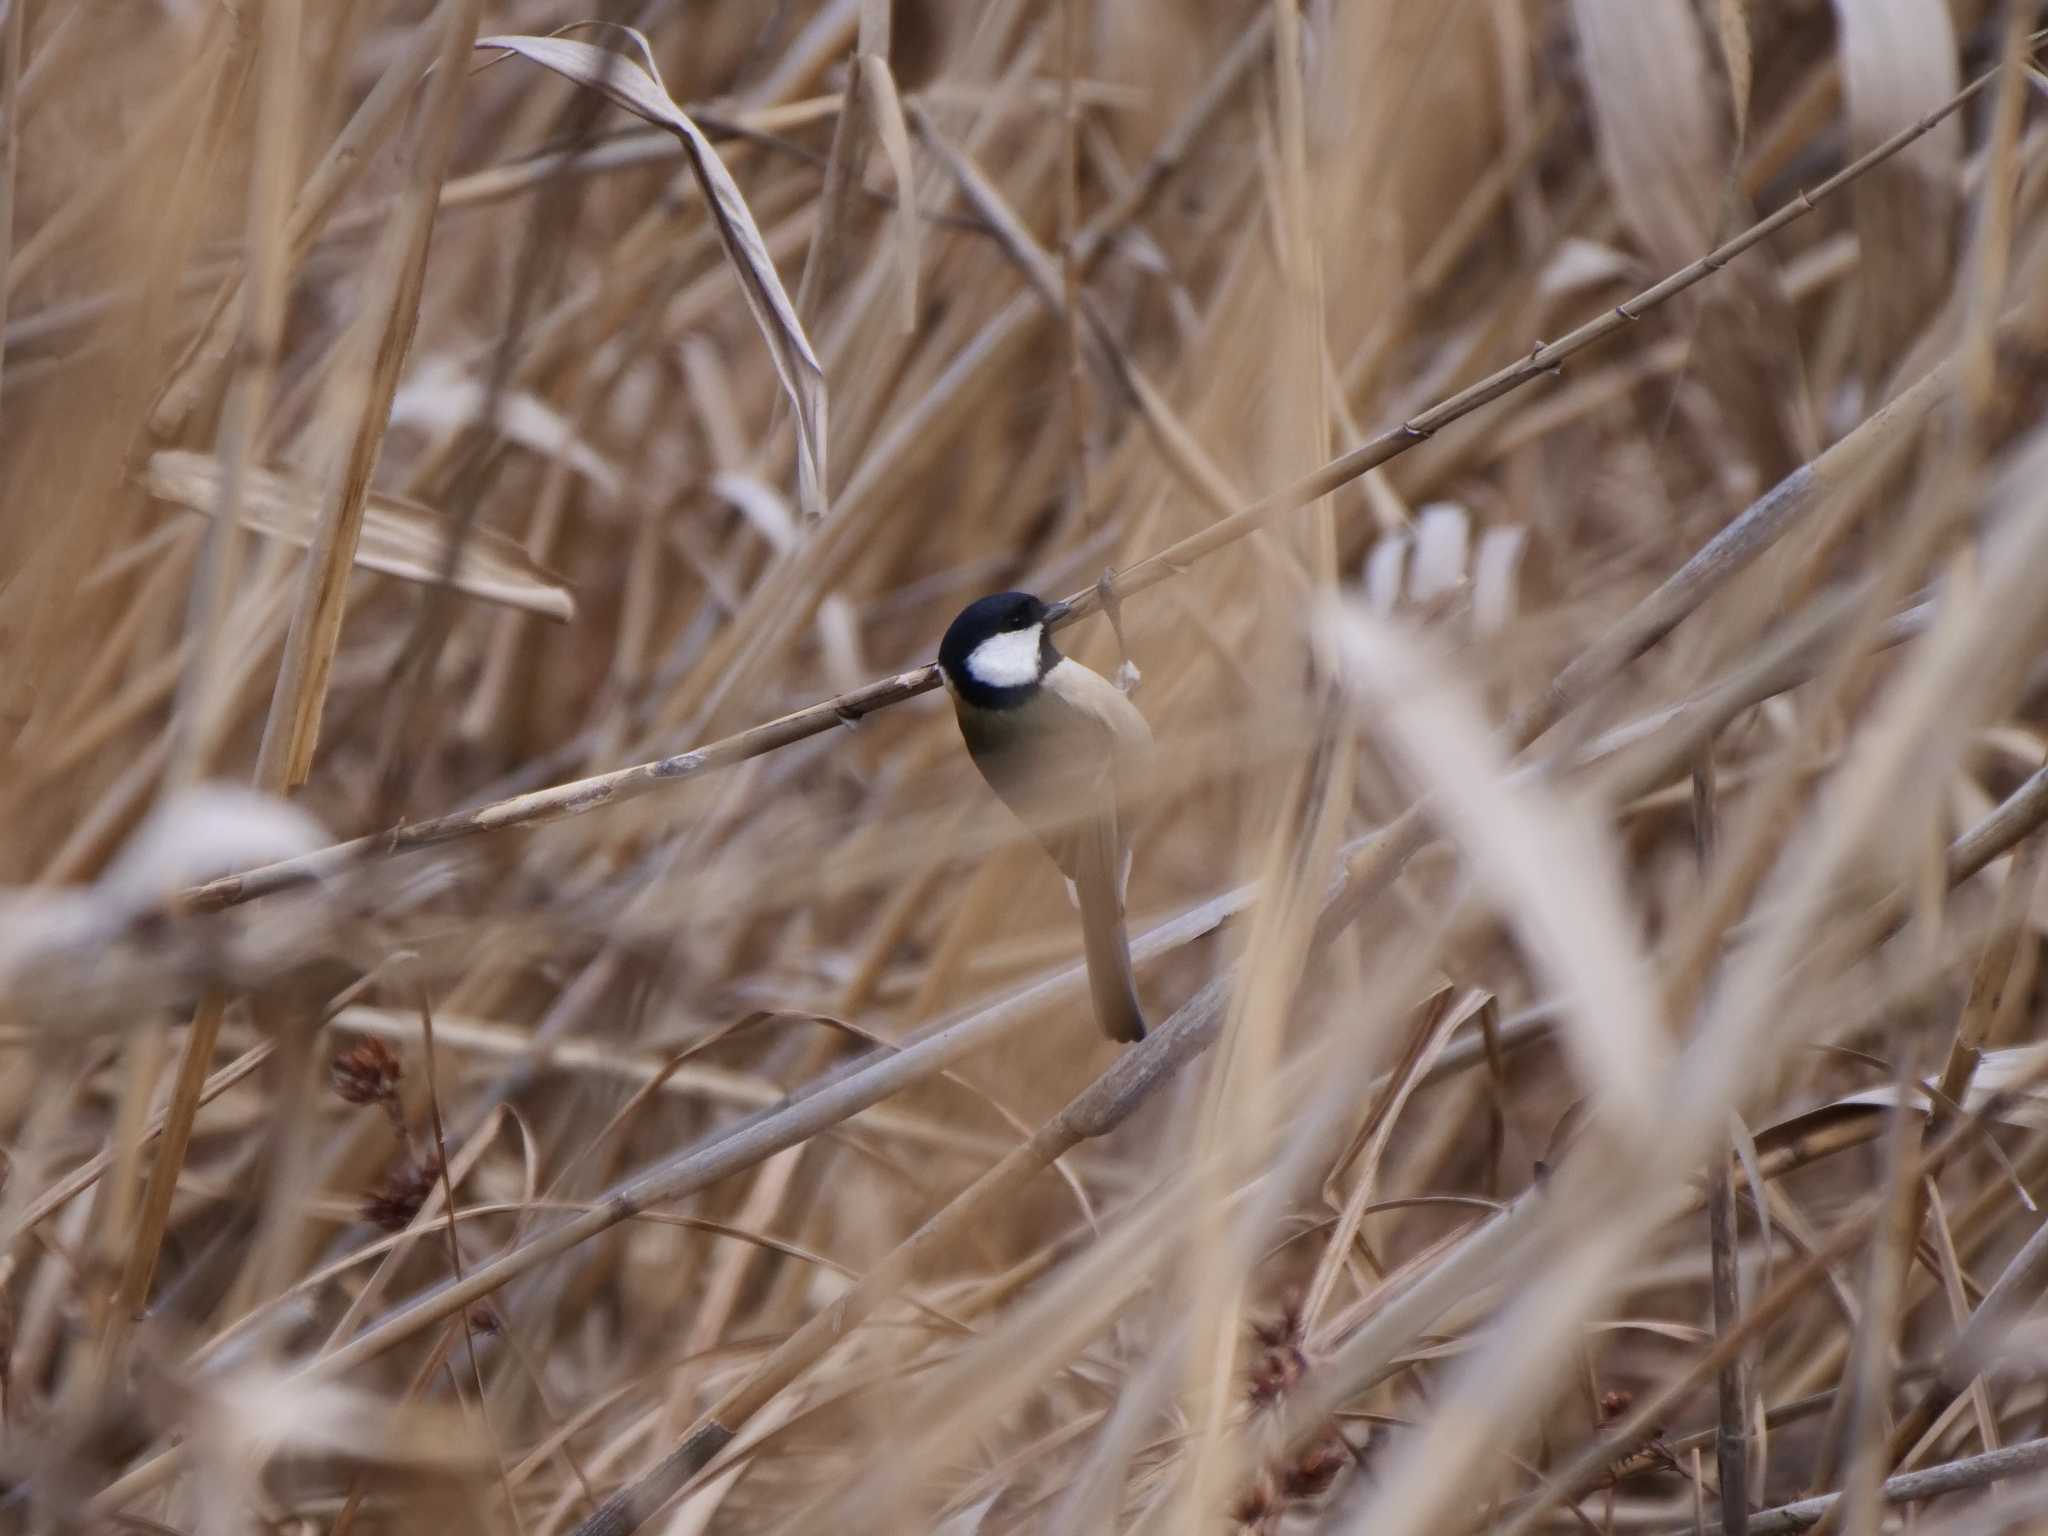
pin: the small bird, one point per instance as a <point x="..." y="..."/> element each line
<point x="1062" y="747"/>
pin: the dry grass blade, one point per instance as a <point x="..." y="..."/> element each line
<point x="440" y="397"/>
<point x="244" y="417"/>
<point x="16" y="24"/>
<point x="1646" y="66"/>
<point x="887" y="108"/>
<point x="1738" y="59"/>
<point x="1900" y="56"/>
<point x="1660" y="140"/>
<point x="293" y="728"/>
<point x="629" y="85"/>
<point x="1543" y="863"/>
<point x="399" y="537"/>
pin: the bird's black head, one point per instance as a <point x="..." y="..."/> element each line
<point x="996" y="651"/>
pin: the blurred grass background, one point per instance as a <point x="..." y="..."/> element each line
<point x="1562" y="1165"/>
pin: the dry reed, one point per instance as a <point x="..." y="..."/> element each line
<point x="519" y="1016"/>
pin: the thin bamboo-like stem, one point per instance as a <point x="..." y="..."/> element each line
<point x="216" y="579"/>
<point x="1928" y="1483"/>
<point x="1731" y="1442"/>
<point x="294" y="725"/>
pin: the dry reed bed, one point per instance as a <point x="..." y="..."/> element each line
<point x="1597" y="791"/>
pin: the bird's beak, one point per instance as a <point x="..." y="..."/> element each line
<point x="1056" y="611"/>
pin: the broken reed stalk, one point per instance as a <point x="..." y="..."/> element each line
<point x="1731" y="1444"/>
<point x="619" y="785"/>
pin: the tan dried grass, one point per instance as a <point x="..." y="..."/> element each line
<point x="1586" y="802"/>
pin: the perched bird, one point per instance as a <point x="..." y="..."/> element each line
<point x="1062" y="748"/>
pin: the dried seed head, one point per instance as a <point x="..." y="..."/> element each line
<point x="1316" y="1468"/>
<point x="405" y="1191"/>
<point x="366" y="1073"/>
<point x="1280" y="1362"/>
<point x="1258" y="1504"/>
<point x="1287" y="1328"/>
<point x="1274" y="1374"/>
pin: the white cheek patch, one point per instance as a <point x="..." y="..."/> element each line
<point x="1008" y="660"/>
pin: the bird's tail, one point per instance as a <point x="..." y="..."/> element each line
<point x="1098" y="891"/>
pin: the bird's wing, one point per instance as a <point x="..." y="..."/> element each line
<point x="1106" y="708"/>
<point x="1103" y="758"/>
<point x="1104" y="743"/>
<point x="1101" y="701"/>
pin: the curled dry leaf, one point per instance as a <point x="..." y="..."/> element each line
<point x="2010" y="1086"/>
<point x="638" y="89"/>
<point x="400" y="537"/>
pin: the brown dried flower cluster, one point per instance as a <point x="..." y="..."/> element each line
<point x="367" y="1073"/>
<point x="404" y="1190"/>
<point x="1287" y="1481"/>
